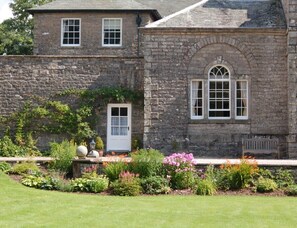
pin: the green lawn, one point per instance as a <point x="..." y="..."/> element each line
<point x="24" y="207"/>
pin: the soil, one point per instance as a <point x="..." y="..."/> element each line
<point x="185" y="192"/>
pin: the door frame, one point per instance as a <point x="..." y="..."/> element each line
<point x="129" y="136"/>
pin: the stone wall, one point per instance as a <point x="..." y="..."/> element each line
<point x="22" y="77"/>
<point x="47" y="36"/>
<point x="173" y="57"/>
<point x="292" y="76"/>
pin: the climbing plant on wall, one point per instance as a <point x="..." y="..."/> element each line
<point x="72" y="113"/>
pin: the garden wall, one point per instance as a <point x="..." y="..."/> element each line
<point x="22" y="77"/>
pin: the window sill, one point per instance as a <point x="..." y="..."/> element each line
<point x="71" y="47"/>
<point x="216" y="121"/>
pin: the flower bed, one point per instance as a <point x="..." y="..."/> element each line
<point x="149" y="172"/>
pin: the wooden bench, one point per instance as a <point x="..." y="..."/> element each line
<point x="260" y="146"/>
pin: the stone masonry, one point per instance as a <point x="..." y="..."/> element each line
<point x="25" y="76"/>
<point x="291" y="12"/>
<point x="255" y="40"/>
<point x="173" y="57"/>
<point x="47" y="36"/>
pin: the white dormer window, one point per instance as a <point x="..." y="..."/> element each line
<point x="70" y="32"/>
<point x="112" y="32"/>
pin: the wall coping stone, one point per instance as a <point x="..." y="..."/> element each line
<point x="193" y="31"/>
<point x="72" y="56"/>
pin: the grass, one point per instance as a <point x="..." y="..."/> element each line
<point x="24" y="207"/>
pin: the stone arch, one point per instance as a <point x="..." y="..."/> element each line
<point x="243" y="48"/>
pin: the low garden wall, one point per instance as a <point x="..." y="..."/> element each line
<point x="80" y="165"/>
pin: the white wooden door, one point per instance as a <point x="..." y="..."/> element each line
<point x="119" y="127"/>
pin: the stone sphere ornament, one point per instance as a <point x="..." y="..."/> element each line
<point x="93" y="154"/>
<point x="81" y="151"/>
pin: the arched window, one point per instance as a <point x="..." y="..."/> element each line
<point x="219" y="93"/>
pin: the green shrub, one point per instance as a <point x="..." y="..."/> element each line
<point x="95" y="184"/>
<point x="63" y="154"/>
<point x="155" y="185"/>
<point x="4" y="167"/>
<point x="284" y="178"/>
<point x="146" y="162"/>
<point x="265" y="185"/>
<point x="9" y="149"/>
<point x="113" y="169"/>
<point x="237" y="176"/>
<point x="25" y="168"/>
<point x="291" y="190"/>
<point x="128" y="184"/>
<point x="99" y="143"/>
<point x="64" y="186"/>
<point x="179" y="167"/>
<point x="40" y="182"/>
<point x="183" y="180"/>
<point x="205" y="187"/>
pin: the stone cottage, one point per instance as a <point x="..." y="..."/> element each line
<point x="213" y="72"/>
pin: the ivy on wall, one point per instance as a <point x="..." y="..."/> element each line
<point x="72" y="113"/>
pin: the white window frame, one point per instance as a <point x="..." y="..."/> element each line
<point x="62" y="32"/>
<point x="197" y="117"/>
<point x="121" y="32"/>
<point x="229" y="98"/>
<point x="247" y="100"/>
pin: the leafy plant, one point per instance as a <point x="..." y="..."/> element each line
<point x="291" y="190"/>
<point x="99" y="143"/>
<point x="9" y="149"/>
<point x="205" y="187"/>
<point x="155" y="185"/>
<point x="63" y="154"/>
<point x="136" y="144"/>
<point x="265" y="185"/>
<point x="146" y="162"/>
<point x="4" y="167"/>
<point x="95" y="184"/>
<point x="180" y="168"/>
<point x="284" y="178"/>
<point x="128" y="184"/>
<point x="237" y="176"/>
<point x="40" y="182"/>
<point x="113" y="169"/>
<point x="25" y="168"/>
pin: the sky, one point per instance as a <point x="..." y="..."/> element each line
<point x="5" y="11"/>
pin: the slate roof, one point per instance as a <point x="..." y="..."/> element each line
<point x="94" y="5"/>
<point x="163" y="7"/>
<point x="167" y="7"/>
<point x="227" y="14"/>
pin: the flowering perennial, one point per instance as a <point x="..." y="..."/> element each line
<point x="181" y="162"/>
<point x="180" y="169"/>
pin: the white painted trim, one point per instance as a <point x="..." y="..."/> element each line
<point x="185" y="10"/>
<point x="192" y="116"/>
<point x="247" y="99"/>
<point x="230" y="89"/>
<point x="129" y="136"/>
<point x="121" y="31"/>
<point x="62" y="33"/>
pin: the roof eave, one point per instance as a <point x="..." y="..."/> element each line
<point x="155" y="14"/>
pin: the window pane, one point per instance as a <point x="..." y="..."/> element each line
<point x="219" y="92"/>
<point x="241" y="99"/>
<point x="115" y="121"/>
<point x="197" y="99"/>
<point x="123" y="131"/>
<point x="112" y="31"/>
<point x="71" y="29"/>
<point x="115" y="111"/>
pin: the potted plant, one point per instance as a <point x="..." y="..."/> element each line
<point x="99" y="145"/>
